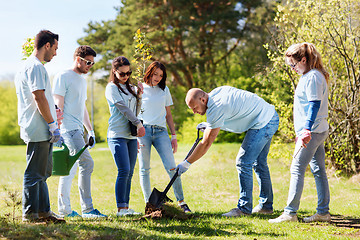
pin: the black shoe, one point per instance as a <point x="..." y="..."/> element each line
<point x="52" y="219"/>
<point x="185" y="208"/>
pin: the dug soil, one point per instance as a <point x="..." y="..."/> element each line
<point x="166" y="211"/>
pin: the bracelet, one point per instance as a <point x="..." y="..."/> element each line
<point x="173" y="136"/>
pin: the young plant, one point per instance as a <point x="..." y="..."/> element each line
<point x="13" y="201"/>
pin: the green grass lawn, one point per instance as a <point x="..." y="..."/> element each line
<point x="210" y="188"/>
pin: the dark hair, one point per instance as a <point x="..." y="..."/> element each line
<point x="43" y="37"/>
<point x="119" y="62"/>
<point x="150" y="72"/>
<point x="84" y="51"/>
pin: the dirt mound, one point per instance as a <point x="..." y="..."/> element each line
<point x="167" y="210"/>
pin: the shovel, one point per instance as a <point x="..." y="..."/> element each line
<point x="158" y="198"/>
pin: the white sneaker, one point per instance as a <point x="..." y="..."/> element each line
<point x="235" y="212"/>
<point x="285" y="217"/>
<point x="127" y="212"/>
<point x="260" y="210"/>
<point x="318" y="218"/>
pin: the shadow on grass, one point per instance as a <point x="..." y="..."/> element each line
<point x="345" y="221"/>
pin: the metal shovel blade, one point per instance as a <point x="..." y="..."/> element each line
<point x="158" y="198"/>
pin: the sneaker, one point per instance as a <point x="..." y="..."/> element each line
<point x="52" y="219"/>
<point x="72" y="215"/>
<point x="260" y="210"/>
<point x="127" y="212"/>
<point x="94" y="214"/>
<point x="235" y="212"/>
<point x="318" y="218"/>
<point x="185" y="208"/>
<point x="285" y="217"/>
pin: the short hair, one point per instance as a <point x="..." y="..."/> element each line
<point x="84" y="51"/>
<point x="43" y="37"/>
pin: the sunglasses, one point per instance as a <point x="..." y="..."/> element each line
<point x="122" y="74"/>
<point x="88" y="63"/>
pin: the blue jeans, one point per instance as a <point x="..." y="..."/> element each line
<point x="35" y="199"/>
<point x="253" y="155"/>
<point x="74" y="140"/>
<point x="159" y="137"/>
<point x="314" y="155"/>
<point x="124" y="152"/>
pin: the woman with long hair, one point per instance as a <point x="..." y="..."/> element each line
<point x="311" y="127"/>
<point x="123" y="99"/>
<point x="156" y="114"/>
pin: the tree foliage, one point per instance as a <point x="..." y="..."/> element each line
<point x="334" y="27"/>
<point x="190" y="38"/>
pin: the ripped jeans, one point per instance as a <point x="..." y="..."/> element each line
<point x="159" y="137"/>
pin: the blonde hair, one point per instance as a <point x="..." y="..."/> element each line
<point x="313" y="59"/>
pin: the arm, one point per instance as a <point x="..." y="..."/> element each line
<point x="87" y="122"/>
<point x="305" y="135"/>
<point x="43" y="105"/>
<point x="170" y="123"/>
<point x="120" y="105"/>
<point x="59" y="101"/>
<point x="209" y="137"/>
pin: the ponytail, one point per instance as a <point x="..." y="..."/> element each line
<point x="313" y="58"/>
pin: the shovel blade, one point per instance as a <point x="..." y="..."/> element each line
<point x="158" y="198"/>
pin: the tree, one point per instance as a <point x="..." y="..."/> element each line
<point x="334" y="27"/>
<point x="190" y="37"/>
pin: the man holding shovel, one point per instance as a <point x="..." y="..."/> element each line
<point x="70" y="90"/>
<point x="235" y="110"/>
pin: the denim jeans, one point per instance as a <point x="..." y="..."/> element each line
<point x="74" y="140"/>
<point x="159" y="137"/>
<point x="253" y="155"/>
<point x="314" y="155"/>
<point x="124" y="152"/>
<point x="35" y="199"/>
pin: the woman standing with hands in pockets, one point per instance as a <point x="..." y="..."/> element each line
<point x="311" y="127"/>
<point x="156" y="113"/>
<point x="123" y="98"/>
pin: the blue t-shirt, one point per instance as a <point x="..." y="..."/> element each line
<point x="32" y="77"/>
<point x="154" y="101"/>
<point x="118" y="123"/>
<point x="72" y="86"/>
<point x="236" y="110"/>
<point x="312" y="86"/>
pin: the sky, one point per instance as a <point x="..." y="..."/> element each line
<point x="20" y="19"/>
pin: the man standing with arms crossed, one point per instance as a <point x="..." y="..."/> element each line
<point x="70" y="90"/>
<point x="38" y="127"/>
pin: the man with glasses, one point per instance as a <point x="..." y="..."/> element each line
<point x="70" y="90"/>
<point x="38" y="127"/>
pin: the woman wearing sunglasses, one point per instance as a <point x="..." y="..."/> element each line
<point x="155" y="114"/>
<point x="123" y="98"/>
<point x="311" y="127"/>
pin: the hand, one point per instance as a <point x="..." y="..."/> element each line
<point x="59" y="116"/>
<point x="54" y="132"/>
<point x="140" y="130"/>
<point x="174" y="144"/>
<point x="91" y="134"/>
<point x="183" y="167"/>
<point x="59" y="143"/>
<point x="305" y="137"/>
<point x="140" y="88"/>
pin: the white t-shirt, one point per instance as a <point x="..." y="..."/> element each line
<point x="72" y="86"/>
<point x="312" y="86"/>
<point x="32" y="77"/>
<point x="236" y="110"/>
<point x="154" y="101"/>
<point x="118" y="123"/>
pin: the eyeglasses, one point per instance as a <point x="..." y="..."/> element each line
<point x="293" y="65"/>
<point x="122" y="74"/>
<point x="88" y="63"/>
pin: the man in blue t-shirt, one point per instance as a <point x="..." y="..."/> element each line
<point x="70" y="94"/>
<point x="235" y="110"/>
<point x="38" y="127"/>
